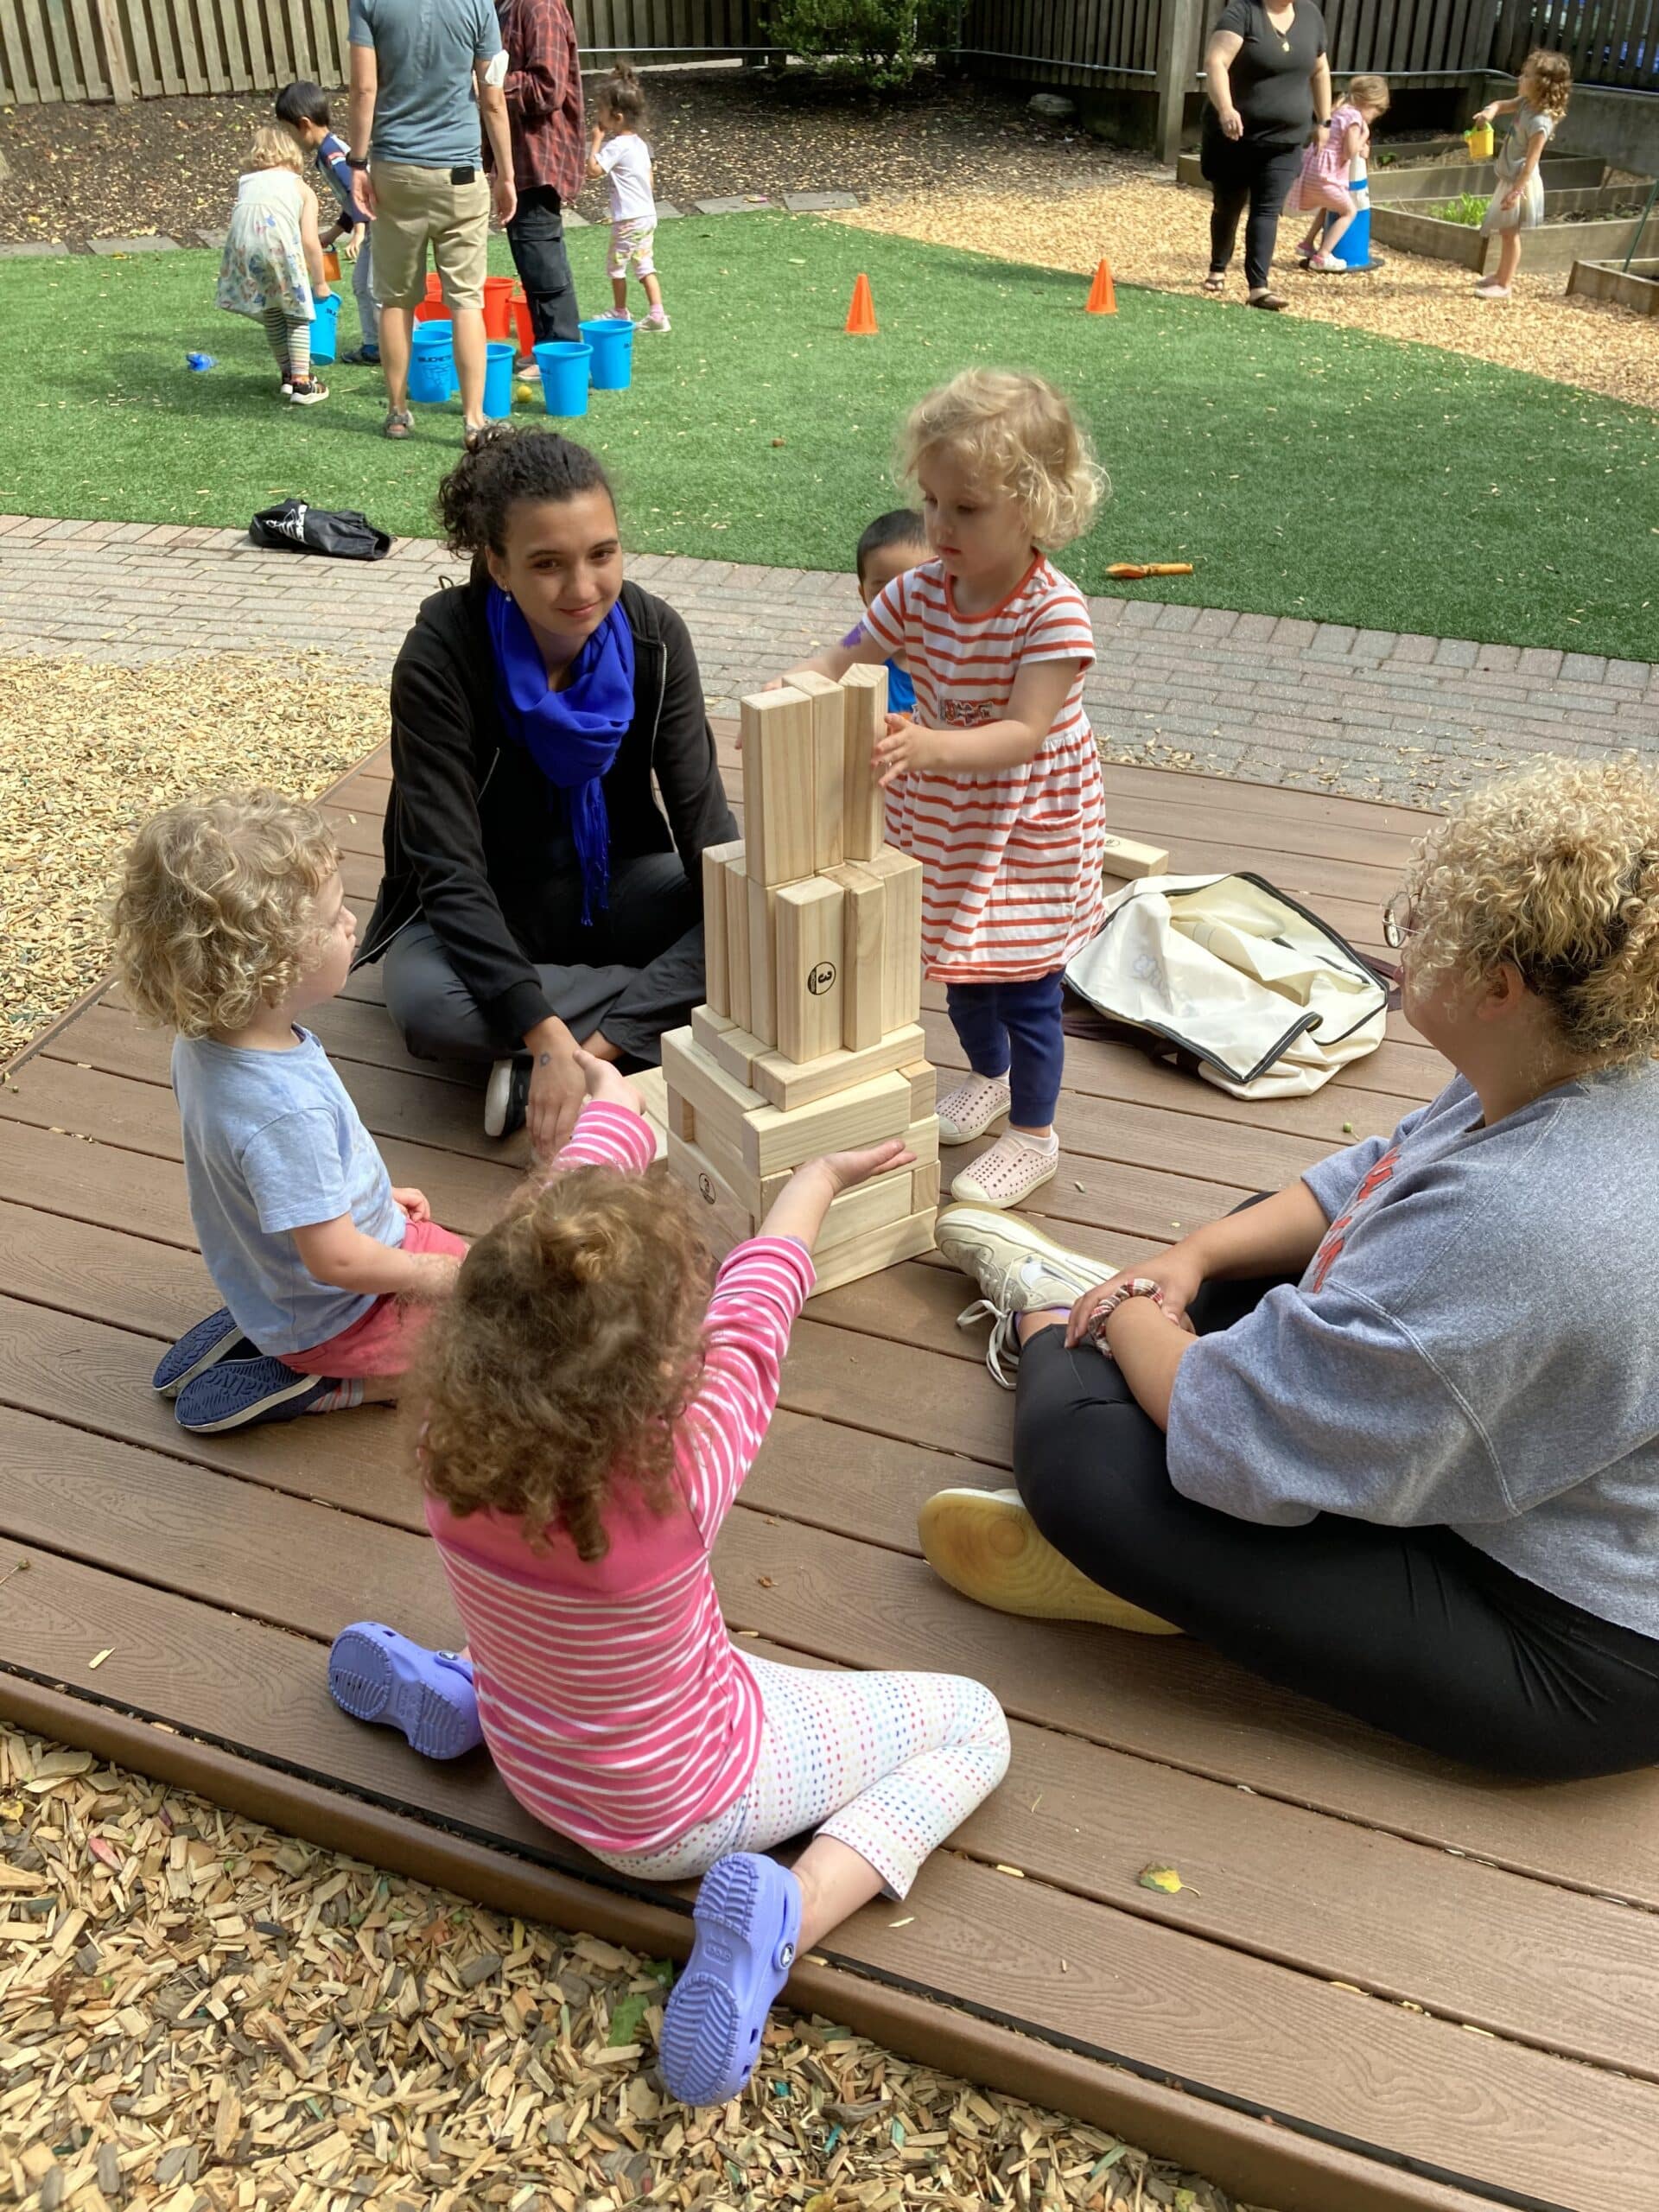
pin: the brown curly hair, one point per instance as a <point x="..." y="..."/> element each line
<point x="567" y="1356"/>
<point x="215" y="915"/>
<point x="1554" y="870"/>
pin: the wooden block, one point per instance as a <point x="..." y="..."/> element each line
<point x="923" y="1088"/>
<point x="785" y="1085"/>
<point x="720" y="1105"/>
<point x="829" y="768"/>
<point x="870" y="1206"/>
<point x="737" y="941"/>
<point x="763" y="961"/>
<point x="714" y="858"/>
<point x="777" y="772"/>
<point x="925" y="1186"/>
<point x="725" y="1220"/>
<point x="769" y="1140"/>
<point x="1126" y="859"/>
<point x="808" y="965"/>
<point x="737" y="1049"/>
<point x="707" y="1027"/>
<point x="923" y="1138"/>
<point x="901" y="980"/>
<point x="863" y="976"/>
<point x="864" y="823"/>
<point x="682" y="1118"/>
<point x="651" y="1084"/>
<point x="883" y="1247"/>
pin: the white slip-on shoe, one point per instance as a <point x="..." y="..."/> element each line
<point x="1010" y="1171"/>
<point x="968" y="1108"/>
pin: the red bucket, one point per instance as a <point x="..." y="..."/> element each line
<point x="521" y="317"/>
<point x="432" y="308"/>
<point x="498" y="308"/>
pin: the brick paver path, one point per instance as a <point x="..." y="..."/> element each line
<point x="1269" y="700"/>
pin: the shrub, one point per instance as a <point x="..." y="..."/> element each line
<point x="877" y="43"/>
<point x="1468" y="207"/>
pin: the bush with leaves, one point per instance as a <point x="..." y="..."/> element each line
<point x="877" y="43"/>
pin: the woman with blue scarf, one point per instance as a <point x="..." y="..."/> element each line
<point x="539" y="894"/>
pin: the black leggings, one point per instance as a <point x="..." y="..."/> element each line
<point x="1241" y="175"/>
<point x="1410" y="1629"/>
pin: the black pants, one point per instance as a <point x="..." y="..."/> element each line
<point x="643" y="975"/>
<point x="536" y="235"/>
<point x="1241" y="175"/>
<point x="1411" y="1630"/>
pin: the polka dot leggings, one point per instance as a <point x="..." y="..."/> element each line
<point x="888" y="1765"/>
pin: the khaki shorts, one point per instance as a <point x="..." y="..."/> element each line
<point x="415" y="208"/>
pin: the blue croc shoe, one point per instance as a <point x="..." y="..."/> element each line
<point x="237" y="1393"/>
<point x="375" y="1673"/>
<point x="199" y="1349"/>
<point x="748" y="1922"/>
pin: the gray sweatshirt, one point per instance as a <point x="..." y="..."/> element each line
<point x="1474" y="1346"/>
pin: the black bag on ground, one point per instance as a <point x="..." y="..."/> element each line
<point x="297" y="527"/>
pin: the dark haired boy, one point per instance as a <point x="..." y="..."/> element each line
<point x="892" y="544"/>
<point x="303" y="109"/>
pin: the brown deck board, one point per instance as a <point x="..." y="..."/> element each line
<point x="1316" y="1852"/>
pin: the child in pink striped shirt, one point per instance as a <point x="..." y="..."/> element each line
<point x="594" y="1394"/>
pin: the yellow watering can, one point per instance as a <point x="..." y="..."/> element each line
<point x="1480" y="139"/>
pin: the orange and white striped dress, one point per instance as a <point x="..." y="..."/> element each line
<point x="1012" y="858"/>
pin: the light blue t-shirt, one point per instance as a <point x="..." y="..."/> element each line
<point x="425" y="112"/>
<point x="272" y="1143"/>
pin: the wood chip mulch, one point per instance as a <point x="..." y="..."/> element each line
<point x="200" y="2014"/>
<point x="88" y="751"/>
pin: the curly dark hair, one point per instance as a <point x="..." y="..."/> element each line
<point x="477" y="495"/>
<point x="564" y="1362"/>
<point x="621" y="94"/>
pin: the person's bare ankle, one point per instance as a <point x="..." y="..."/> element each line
<point x="1029" y="1325"/>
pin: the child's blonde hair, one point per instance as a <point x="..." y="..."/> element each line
<point x="1020" y="436"/>
<point x="567" y="1354"/>
<point x="215" y="915"/>
<point x="272" y="147"/>
<point x="1552" y="78"/>
<point x="1368" y="92"/>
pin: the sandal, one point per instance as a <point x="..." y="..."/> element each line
<point x="1271" y="300"/>
<point x="748" y="1920"/>
<point x="1215" y="281"/>
<point x="398" y="423"/>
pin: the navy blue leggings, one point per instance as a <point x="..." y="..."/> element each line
<point x="1013" y="1029"/>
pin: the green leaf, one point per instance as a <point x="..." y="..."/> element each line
<point x="1160" y="1878"/>
<point x="627" y="2018"/>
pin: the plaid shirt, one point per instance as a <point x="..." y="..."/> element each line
<point x="543" y="96"/>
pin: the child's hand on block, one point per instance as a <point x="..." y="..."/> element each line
<point x="906" y="749"/>
<point x="606" y="1085"/>
<point x="799" y="1208"/>
<point x="848" y="1169"/>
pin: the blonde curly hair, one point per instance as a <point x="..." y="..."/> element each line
<point x="1020" y="435"/>
<point x="1552" y="79"/>
<point x="565" y="1360"/>
<point x="1554" y="870"/>
<point x="215" y="915"/>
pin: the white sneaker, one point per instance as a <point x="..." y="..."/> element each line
<point x="505" y="1096"/>
<point x="968" y="1110"/>
<point x="1019" y="1270"/>
<point x="1010" y="1171"/>
<point x="985" y="1544"/>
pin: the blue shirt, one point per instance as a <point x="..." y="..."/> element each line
<point x="272" y="1143"/>
<point x="425" y="112"/>
<point x="331" y="160"/>
<point x="901" y="692"/>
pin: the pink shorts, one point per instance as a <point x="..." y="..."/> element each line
<point x="383" y="1340"/>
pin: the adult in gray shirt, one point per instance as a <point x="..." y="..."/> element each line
<point x="1391" y="1437"/>
<point x="421" y="74"/>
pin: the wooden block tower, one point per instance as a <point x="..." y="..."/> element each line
<point x="810" y="1042"/>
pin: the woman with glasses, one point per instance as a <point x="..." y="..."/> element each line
<point x="1391" y="1437"/>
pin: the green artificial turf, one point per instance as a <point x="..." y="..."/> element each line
<point x="1303" y="469"/>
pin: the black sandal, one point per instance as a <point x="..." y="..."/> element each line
<point x="1271" y="300"/>
<point x="1215" y="281"/>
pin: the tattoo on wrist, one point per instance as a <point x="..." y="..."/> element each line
<point x="544" y="1059"/>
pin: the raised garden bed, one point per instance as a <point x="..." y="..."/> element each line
<point x="1579" y="225"/>
<point x="1444" y="181"/>
<point x="1636" y="286"/>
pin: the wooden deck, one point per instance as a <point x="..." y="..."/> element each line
<point x="1385" y="1984"/>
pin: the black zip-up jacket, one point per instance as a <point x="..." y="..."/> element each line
<point x="472" y="840"/>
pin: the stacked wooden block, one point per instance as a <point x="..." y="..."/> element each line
<point x="810" y="1042"/>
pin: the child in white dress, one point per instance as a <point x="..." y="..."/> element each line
<point x="272" y="265"/>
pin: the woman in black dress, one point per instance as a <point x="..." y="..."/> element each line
<point x="1269" y="87"/>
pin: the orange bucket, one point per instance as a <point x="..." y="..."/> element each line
<point x="498" y="308"/>
<point x="432" y="308"/>
<point x="521" y="316"/>
<point x="331" y="264"/>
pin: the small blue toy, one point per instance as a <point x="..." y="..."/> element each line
<point x="199" y="361"/>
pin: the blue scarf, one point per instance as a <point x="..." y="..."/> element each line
<point x="573" y="735"/>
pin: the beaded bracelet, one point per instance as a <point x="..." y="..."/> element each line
<point x="1136" y="1287"/>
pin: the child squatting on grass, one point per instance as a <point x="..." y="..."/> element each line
<point x="620" y="154"/>
<point x="588" y="1413"/>
<point x="995" y="783"/>
<point x="272" y="265"/>
<point x="1542" y="90"/>
<point x="302" y="111"/>
<point x="231" y="922"/>
<point x="1331" y="165"/>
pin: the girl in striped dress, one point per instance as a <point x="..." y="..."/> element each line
<point x="995" y="783"/>
<point x="593" y="1395"/>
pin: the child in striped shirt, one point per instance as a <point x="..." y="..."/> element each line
<point x="994" y="784"/>
<point x="593" y="1396"/>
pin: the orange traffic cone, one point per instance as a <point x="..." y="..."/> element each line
<point x="1102" y="299"/>
<point x="860" y="316"/>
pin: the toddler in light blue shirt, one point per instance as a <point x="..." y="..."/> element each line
<point x="892" y="544"/>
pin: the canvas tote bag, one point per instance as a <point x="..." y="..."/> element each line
<point x="1261" y="997"/>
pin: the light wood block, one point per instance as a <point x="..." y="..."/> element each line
<point x="763" y="961"/>
<point x="925" y="1186"/>
<point x="864" y="824"/>
<point x="737" y="941"/>
<point x="737" y="1051"/>
<point x="923" y="1088"/>
<point x="882" y="1248"/>
<point x="923" y="1138"/>
<point x="769" y="1140"/>
<point x="768" y="1188"/>
<point x="724" y="1219"/>
<point x="714" y="858"/>
<point x="777" y="773"/>
<point x="785" y="1085"/>
<point x="1127" y="859"/>
<point x="682" y="1118"/>
<point x="808" y="968"/>
<point x="901" y="982"/>
<point x="707" y="1027"/>
<point x="862" y="975"/>
<point x="869" y="1206"/>
<point x="651" y="1084"/>
<point x="829" y="770"/>
<point x="719" y="1104"/>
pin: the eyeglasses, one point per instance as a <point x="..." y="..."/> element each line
<point x="1399" y="921"/>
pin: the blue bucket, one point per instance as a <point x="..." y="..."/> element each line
<point x="431" y="373"/>
<point x="497" y="380"/>
<point x="613" y="344"/>
<point x="564" y="365"/>
<point x="325" y="328"/>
